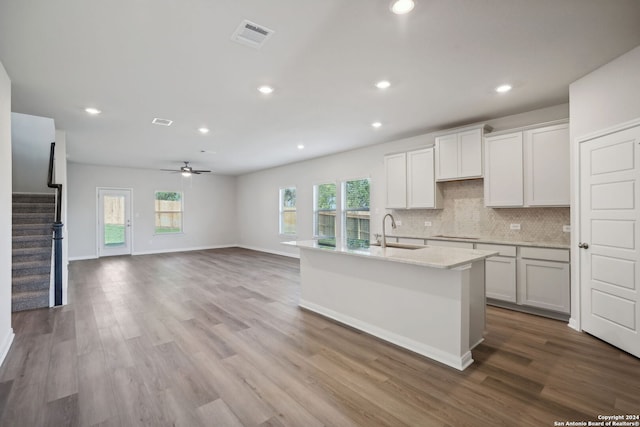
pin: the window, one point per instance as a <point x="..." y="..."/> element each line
<point x="355" y="211"/>
<point x="324" y="210"/>
<point x="168" y="206"/>
<point x="288" y="213"/>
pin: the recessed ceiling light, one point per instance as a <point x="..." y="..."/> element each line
<point x="203" y="130"/>
<point x="92" y="111"/>
<point x="400" y="7"/>
<point x="383" y="84"/>
<point x="300" y="147"/>
<point x="161" y="122"/>
<point x="265" y="89"/>
<point x="376" y="124"/>
<point x="503" y="88"/>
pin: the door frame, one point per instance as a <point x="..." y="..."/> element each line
<point x="98" y="213"/>
<point x="575" y="321"/>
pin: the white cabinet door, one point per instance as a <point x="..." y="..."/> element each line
<point x="544" y="284"/>
<point x="447" y="157"/>
<point x="395" y="166"/>
<point x="546" y="166"/>
<point x="503" y="179"/>
<point x="470" y="154"/>
<point x="500" y="278"/>
<point x="421" y="185"/>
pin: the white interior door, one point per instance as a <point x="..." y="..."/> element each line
<point x="114" y="222"/>
<point x="610" y="227"/>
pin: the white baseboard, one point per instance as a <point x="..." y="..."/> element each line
<point x="197" y="248"/>
<point x="573" y="324"/>
<point x="5" y="345"/>
<point x="448" y="359"/>
<point x="269" y="251"/>
<point x="82" y="257"/>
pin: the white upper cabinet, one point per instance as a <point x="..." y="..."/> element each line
<point x="459" y="154"/>
<point x="546" y="166"/>
<point x="395" y="166"/>
<point x="410" y="180"/>
<point x="421" y="184"/>
<point x="503" y="173"/>
<point x="528" y="167"/>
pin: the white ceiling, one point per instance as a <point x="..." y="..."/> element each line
<point x="140" y="59"/>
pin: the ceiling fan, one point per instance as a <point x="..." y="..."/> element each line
<point x="187" y="170"/>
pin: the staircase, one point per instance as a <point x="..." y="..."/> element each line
<point x="33" y="217"/>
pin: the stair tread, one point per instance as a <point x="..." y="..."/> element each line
<point x="30" y="251"/>
<point x="29" y="238"/>
<point x="29" y="264"/>
<point x="29" y="294"/>
<point x="29" y="278"/>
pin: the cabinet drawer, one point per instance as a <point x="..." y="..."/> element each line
<point x="547" y="254"/>
<point x="450" y="244"/>
<point x="503" y="249"/>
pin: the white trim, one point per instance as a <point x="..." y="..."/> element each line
<point x="449" y="359"/>
<point x="196" y="248"/>
<point x="82" y="257"/>
<point x="99" y="214"/>
<point x="270" y="251"/>
<point x="574" y="324"/>
<point x="199" y="248"/>
<point x="576" y="288"/>
<point x="606" y="131"/>
<point x="6" y="345"/>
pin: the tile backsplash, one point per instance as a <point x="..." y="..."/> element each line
<point x="464" y="215"/>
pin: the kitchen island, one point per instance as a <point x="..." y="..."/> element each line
<point x="430" y="300"/>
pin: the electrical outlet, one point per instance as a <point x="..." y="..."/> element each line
<point x="515" y="226"/>
<point x="398" y="223"/>
<point x="566" y="229"/>
<point x="428" y="224"/>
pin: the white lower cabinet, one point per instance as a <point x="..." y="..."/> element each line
<point x="544" y="284"/>
<point x="500" y="278"/>
<point x="500" y="272"/>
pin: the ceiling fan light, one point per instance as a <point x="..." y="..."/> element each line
<point x="186" y="174"/>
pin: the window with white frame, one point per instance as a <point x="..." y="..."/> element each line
<point x="324" y="210"/>
<point x="288" y="213"/>
<point x="356" y="200"/>
<point x="168" y="210"/>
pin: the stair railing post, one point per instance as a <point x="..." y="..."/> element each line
<point x="57" y="231"/>
<point x="57" y="252"/>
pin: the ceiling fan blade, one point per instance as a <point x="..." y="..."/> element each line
<point x="170" y="170"/>
<point x="201" y="171"/>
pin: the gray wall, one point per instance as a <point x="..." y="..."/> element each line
<point x="258" y="192"/>
<point x="31" y="142"/>
<point x="6" y="333"/>
<point x="603" y="98"/>
<point x="209" y="208"/>
<point x="606" y="97"/>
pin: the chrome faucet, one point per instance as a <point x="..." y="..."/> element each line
<point x="383" y="243"/>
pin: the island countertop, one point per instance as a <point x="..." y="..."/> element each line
<point x="427" y="256"/>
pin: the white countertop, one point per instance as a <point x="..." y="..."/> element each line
<point x="427" y="256"/>
<point x="552" y="245"/>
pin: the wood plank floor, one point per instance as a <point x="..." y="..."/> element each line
<point x="215" y="338"/>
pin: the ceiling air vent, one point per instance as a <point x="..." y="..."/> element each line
<point x="251" y="34"/>
<point x="162" y="122"/>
